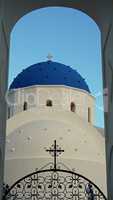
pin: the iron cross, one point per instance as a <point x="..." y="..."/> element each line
<point x="55" y="151"/>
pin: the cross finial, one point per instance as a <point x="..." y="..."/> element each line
<point x="49" y="56"/>
<point x="55" y="151"/>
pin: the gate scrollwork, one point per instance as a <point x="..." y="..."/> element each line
<point x="54" y="184"/>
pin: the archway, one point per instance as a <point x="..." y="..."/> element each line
<point x="67" y="50"/>
<point x="83" y="5"/>
<point x="102" y="14"/>
<point x="42" y="43"/>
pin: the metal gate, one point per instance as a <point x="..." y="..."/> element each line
<point x="54" y="184"/>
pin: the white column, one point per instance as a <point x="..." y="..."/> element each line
<point x="108" y="83"/>
<point x="3" y="87"/>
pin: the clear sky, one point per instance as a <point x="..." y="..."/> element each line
<point x="70" y="36"/>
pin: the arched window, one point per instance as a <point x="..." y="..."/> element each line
<point x="72" y="107"/>
<point x="89" y="114"/>
<point x="25" y="106"/>
<point x="49" y="103"/>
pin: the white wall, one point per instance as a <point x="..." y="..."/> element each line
<point x="93" y="171"/>
<point x="84" y="146"/>
<point x="61" y="96"/>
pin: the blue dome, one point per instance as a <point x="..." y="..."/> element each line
<point x="49" y="73"/>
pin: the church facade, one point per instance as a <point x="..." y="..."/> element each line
<point x="49" y="102"/>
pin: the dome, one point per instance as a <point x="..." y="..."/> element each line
<point x="49" y="73"/>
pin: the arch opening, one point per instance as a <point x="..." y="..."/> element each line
<point x="67" y="57"/>
<point x="51" y="40"/>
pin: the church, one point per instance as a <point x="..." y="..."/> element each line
<point x="51" y="102"/>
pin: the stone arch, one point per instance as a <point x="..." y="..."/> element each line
<point x="22" y="8"/>
<point x="100" y="11"/>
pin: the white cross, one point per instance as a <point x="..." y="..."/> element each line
<point x="49" y="56"/>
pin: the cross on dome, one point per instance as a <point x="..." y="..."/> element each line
<point x="49" y="56"/>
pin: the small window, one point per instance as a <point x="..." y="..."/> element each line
<point x="49" y="103"/>
<point x="72" y="107"/>
<point x="8" y="112"/>
<point x="25" y="106"/>
<point x="89" y="114"/>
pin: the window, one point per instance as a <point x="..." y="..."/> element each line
<point x="89" y="114"/>
<point x="25" y="106"/>
<point x="8" y="112"/>
<point x="72" y="107"/>
<point x="49" y="103"/>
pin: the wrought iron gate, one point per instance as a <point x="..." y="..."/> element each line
<point x="54" y="184"/>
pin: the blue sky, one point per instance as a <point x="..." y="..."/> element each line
<point x="70" y="36"/>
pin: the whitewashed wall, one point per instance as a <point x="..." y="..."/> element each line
<point x="29" y="133"/>
<point x="61" y="96"/>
